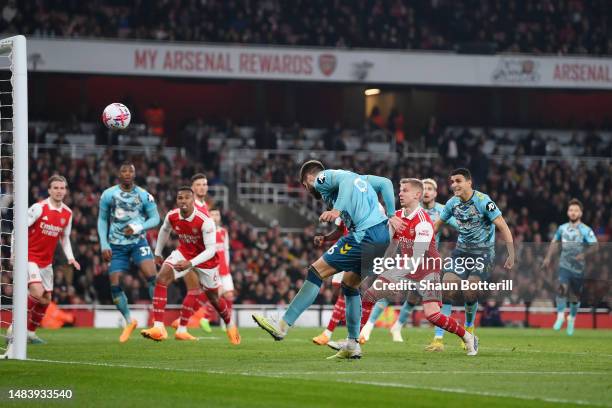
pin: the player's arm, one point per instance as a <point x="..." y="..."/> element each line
<point x="552" y="248"/>
<point x="226" y="250"/>
<point x="333" y="236"/>
<point x="501" y="224"/>
<point x="103" y="217"/>
<point x="162" y="239"/>
<point x="210" y="243"/>
<point x="446" y="215"/>
<point x="452" y="221"/>
<point x="34" y="213"/>
<point x="592" y="246"/>
<point x="438" y="225"/>
<point x="151" y="217"/>
<point x="67" y="248"/>
<point x="384" y="187"/>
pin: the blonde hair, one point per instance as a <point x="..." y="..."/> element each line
<point x="431" y="181"/>
<point x="413" y="182"/>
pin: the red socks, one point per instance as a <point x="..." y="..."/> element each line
<point x="338" y="314"/>
<point x="222" y="307"/>
<point x="366" y="309"/>
<point x="36" y="312"/>
<point x="447" y="323"/>
<point x="189" y="304"/>
<point x="160" y="297"/>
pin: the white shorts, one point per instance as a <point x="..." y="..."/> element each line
<point x="337" y="278"/>
<point x="41" y="275"/>
<point x="209" y="278"/>
<point x="227" y="283"/>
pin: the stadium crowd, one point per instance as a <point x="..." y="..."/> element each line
<point x="548" y="26"/>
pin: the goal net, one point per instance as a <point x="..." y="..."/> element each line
<point x="13" y="197"/>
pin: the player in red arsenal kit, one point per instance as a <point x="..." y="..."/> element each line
<point x="199" y="185"/>
<point x="49" y="221"/>
<point x="419" y="264"/>
<point x="195" y="257"/>
<point x="227" y="283"/>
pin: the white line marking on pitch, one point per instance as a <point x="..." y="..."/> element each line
<point x="373" y="383"/>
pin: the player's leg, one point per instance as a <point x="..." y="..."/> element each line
<point x="227" y="291"/>
<point x="189" y="306"/>
<point x="448" y="297"/>
<point x="306" y="296"/>
<point x="378" y="309"/>
<point x="40" y="286"/>
<point x="338" y="312"/>
<point x="209" y="281"/>
<point x="431" y="309"/>
<point x="207" y="312"/>
<point x="354" y="320"/>
<point x="575" y="292"/>
<point x="204" y="311"/>
<point x="120" y="263"/>
<point x="562" y="294"/>
<point x="143" y="257"/>
<point x="475" y="275"/>
<point x="402" y="318"/>
<point x="470" y="298"/>
<point x="160" y="294"/>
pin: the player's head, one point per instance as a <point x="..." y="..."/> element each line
<point x="430" y="190"/>
<point x="574" y="210"/>
<point x="57" y="187"/>
<point x="216" y="216"/>
<point x="308" y="172"/>
<point x="184" y="199"/>
<point x="127" y="173"/>
<point x="461" y="181"/>
<point x="199" y="185"/>
<point x="410" y="192"/>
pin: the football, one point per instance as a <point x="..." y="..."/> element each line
<point x="116" y="116"/>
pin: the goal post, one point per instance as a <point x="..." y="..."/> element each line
<point x="14" y="196"/>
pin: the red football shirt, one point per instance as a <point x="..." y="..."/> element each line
<point x="223" y="251"/>
<point x="190" y="232"/>
<point x="201" y="206"/>
<point x="47" y="226"/>
<point x="419" y="230"/>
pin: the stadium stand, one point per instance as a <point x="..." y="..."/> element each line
<point x="549" y="27"/>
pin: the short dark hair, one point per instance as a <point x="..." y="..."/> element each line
<point x="56" y="177"/>
<point x="575" y="201"/>
<point x="461" y="171"/>
<point x="198" y="176"/>
<point x="310" y="167"/>
<point x="184" y="188"/>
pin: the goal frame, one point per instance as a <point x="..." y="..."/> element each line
<point x="19" y="66"/>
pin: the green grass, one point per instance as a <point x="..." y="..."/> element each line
<point x="514" y="368"/>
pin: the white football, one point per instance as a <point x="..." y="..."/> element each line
<point x="116" y="116"/>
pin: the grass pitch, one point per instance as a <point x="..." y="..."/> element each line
<point x="514" y="367"/>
